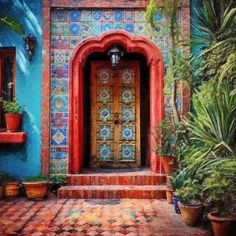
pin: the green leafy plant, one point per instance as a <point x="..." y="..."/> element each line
<point x="37" y="178"/>
<point x="179" y="67"/>
<point x="220" y="192"/>
<point x="12" y="106"/>
<point x="60" y="179"/>
<point x="12" y="24"/>
<point x="190" y="192"/>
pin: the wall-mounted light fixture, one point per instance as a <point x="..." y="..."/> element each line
<point x="115" y="54"/>
<point x="30" y="44"/>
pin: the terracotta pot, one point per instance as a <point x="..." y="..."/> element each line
<point x="11" y="189"/>
<point x="1" y="192"/>
<point x="190" y="213"/>
<point x="169" y="195"/>
<point x="36" y="190"/>
<point x="13" y="122"/>
<point x="167" y="164"/>
<point x="220" y="225"/>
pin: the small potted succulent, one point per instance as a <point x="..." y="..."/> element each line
<point x="13" y="113"/>
<point x="220" y="192"/>
<point x="190" y="204"/>
<point x="9" y="185"/>
<point x="36" y="187"/>
<point x="56" y="181"/>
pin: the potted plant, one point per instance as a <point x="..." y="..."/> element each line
<point x="56" y="181"/>
<point x="10" y="185"/>
<point x="220" y="192"/>
<point x="13" y="113"/>
<point x="190" y="203"/>
<point x="36" y="187"/>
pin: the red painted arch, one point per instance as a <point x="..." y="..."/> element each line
<point x="131" y="44"/>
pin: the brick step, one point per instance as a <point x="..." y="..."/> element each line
<point x="112" y="191"/>
<point x="116" y="179"/>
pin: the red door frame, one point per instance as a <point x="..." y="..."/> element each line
<point x="131" y="44"/>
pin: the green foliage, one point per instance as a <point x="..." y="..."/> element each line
<point x="190" y="192"/>
<point x="37" y="178"/>
<point x="220" y="192"/>
<point x="60" y="179"/>
<point x="12" y="24"/>
<point x="4" y="178"/>
<point x="12" y="106"/>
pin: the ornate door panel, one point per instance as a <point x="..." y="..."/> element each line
<point x="115" y="115"/>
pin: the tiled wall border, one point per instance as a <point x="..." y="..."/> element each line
<point x="46" y="11"/>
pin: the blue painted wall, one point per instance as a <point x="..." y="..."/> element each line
<point x="24" y="160"/>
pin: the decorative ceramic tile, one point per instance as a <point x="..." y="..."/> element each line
<point x="59" y="153"/>
<point x="127" y="95"/>
<point x="107" y="15"/>
<point x="96" y="28"/>
<point x="105" y="152"/>
<point x="104" y="95"/>
<point x="59" y="119"/>
<point x="96" y="15"/>
<point x="59" y="86"/>
<point x="61" y="71"/>
<point x="127" y="132"/>
<point x="104" y="76"/>
<point x="74" y="40"/>
<point x="140" y="28"/>
<point x="129" y="27"/>
<point x="104" y="113"/>
<point x="105" y="132"/>
<point x="59" y="15"/>
<point x="128" y="15"/>
<point x="60" y="28"/>
<point x="75" y="15"/>
<point x="127" y="76"/>
<point x="118" y="25"/>
<point x="58" y="167"/>
<point x="140" y="16"/>
<point x="127" y="152"/>
<point x="118" y="15"/>
<point x="158" y="16"/>
<point x="86" y="16"/>
<point x="59" y="103"/>
<point x="127" y="114"/>
<point x="58" y="136"/>
<point x="86" y="28"/>
<point x="60" y="42"/>
<point x="106" y="26"/>
<point x="60" y="57"/>
<point x="74" y="28"/>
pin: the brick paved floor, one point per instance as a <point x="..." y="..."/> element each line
<point x="93" y="217"/>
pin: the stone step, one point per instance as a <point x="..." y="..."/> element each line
<point x="116" y="179"/>
<point x="112" y="191"/>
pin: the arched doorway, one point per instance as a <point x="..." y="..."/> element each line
<point x="131" y="44"/>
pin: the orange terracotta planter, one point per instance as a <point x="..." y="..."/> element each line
<point x="167" y="164"/>
<point x="169" y="195"/>
<point x="13" y="122"/>
<point x="220" y="225"/>
<point x="36" y="190"/>
<point x="11" y="189"/>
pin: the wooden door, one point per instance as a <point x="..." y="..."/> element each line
<point x="115" y="115"/>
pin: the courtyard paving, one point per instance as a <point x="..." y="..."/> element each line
<point x="93" y="217"/>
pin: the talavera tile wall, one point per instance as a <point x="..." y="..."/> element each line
<point x="70" y="27"/>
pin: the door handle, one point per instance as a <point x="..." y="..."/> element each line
<point x="116" y="122"/>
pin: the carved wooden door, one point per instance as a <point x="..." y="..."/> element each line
<point x="115" y="115"/>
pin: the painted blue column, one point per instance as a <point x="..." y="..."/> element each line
<point x="24" y="160"/>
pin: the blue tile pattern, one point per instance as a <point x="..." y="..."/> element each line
<point x="127" y="152"/>
<point x="104" y="152"/>
<point x="127" y="132"/>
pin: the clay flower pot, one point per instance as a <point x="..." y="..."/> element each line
<point x="11" y="189"/>
<point x="168" y="164"/>
<point x="190" y="213"/>
<point x="13" y="122"/>
<point x="36" y="190"/>
<point x="220" y="224"/>
<point x="169" y="195"/>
